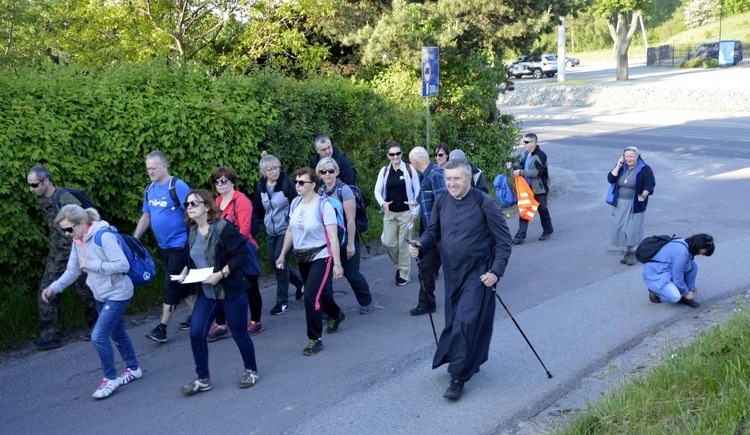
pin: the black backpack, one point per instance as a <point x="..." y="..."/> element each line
<point x="79" y="194"/>
<point x="650" y="246"/>
<point x="172" y="191"/>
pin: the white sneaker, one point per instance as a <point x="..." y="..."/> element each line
<point x="106" y="388"/>
<point x="130" y="375"/>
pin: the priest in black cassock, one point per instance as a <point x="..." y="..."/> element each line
<point x="475" y="248"/>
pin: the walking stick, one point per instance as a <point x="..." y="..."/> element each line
<point x="421" y="283"/>
<point x="549" y="375"/>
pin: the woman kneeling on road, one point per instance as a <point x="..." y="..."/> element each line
<point x="671" y="274"/>
<point x="213" y="242"/>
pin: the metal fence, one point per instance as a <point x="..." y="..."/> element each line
<point x="673" y="55"/>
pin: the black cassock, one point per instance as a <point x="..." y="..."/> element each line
<point x="472" y="243"/>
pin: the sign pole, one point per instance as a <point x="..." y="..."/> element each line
<point x="427" y="116"/>
<point x="430" y="83"/>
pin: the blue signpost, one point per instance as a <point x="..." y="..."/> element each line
<point x="430" y="83"/>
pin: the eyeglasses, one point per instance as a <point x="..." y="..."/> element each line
<point x="69" y="230"/>
<point x="303" y="182"/>
<point x="528" y="141"/>
<point x="394" y="154"/>
<point x="327" y="171"/>
<point x="221" y="181"/>
<point x="439" y="154"/>
<point x="34" y="185"/>
<point x="272" y="169"/>
<point x="194" y="203"/>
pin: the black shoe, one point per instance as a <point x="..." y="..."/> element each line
<point x="420" y="310"/>
<point x="279" y="308"/>
<point x="313" y="347"/>
<point x="653" y="298"/>
<point x="185" y="326"/>
<point x="401" y="282"/>
<point x="299" y="293"/>
<point x="43" y="344"/>
<point x="629" y="258"/>
<point x="518" y="241"/>
<point x="333" y="325"/>
<point x="545" y="236"/>
<point x="692" y="303"/>
<point x="454" y="391"/>
<point x="159" y="334"/>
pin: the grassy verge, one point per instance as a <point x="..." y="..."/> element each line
<point x="701" y="388"/>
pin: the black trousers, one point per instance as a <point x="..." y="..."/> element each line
<point x="429" y="264"/>
<point x="544" y="216"/>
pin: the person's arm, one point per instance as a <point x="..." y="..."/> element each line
<point x="414" y="180"/>
<point x="333" y="239"/>
<point x="350" y="211"/>
<point x="615" y="172"/>
<point x="71" y="274"/>
<point x="143" y="223"/>
<point x="679" y="262"/>
<point x="649" y="182"/>
<point x="258" y="201"/>
<point x="244" y="214"/>
<point x="116" y="262"/>
<point x="285" y="247"/>
<point x="379" y="189"/>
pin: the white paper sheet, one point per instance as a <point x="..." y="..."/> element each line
<point x="194" y="275"/>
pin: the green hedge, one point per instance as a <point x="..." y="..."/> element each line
<point x="93" y="130"/>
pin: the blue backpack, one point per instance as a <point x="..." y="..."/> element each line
<point x="340" y="224"/>
<point x="142" y="267"/>
<point x="504" y="192"/>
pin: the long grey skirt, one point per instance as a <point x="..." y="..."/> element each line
<point x="627" y="229"/>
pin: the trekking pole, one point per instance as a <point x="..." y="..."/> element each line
<point x="421" y="283"/>
<point x="549" y="375"/>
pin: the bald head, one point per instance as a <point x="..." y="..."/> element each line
<point x="419" y="158"/>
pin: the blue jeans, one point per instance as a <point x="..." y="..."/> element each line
<point x="283" y="276"/>
<point x="204" y="313"/>
<point x="110" y="325"/>
<point x="670" y="293"/>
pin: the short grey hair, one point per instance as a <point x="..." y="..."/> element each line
<point x="633" y="149"/>
<point x="41" y="173"/>
<point x="463" y="164"/>
<point x="158" y="155"/>
<point x="269" y="159"/>
<point x="327" y="162"/>
<point x="420" y="154"/>
<point x="322" y="139"/>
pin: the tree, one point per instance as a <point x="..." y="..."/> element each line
<point x="618" y="14"/>
<point x="701" y="12"/>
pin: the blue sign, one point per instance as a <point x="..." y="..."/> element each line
<point x="430" y="71"/>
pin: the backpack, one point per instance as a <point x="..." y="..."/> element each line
<point x="172" y="191"/>
<point x="254" y="222"/>
<point x="79" y="194"/>
<point x="142" y="267"/>
<point x="360" y="219"/>
<point x="503" y="191"/>
<point x="340" y="224"/>
<point x="650" y="246"/>
<point x="408" y="166"/>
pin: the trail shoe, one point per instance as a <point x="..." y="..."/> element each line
<point x="299" y="293"/>
<point x="249" y="378"/>
<point x="420" y="310"/>
<point x="518" y="240"/>
<point x="279" y="308"/>
<point x="43" y="344"/>
<point x="454" y="391"/>
<point x="365" y="309"/>
<point x="185" y="326"/>
<point x="333" y="325"/>
<point x="653" y="298"/>
<point x="545" y="236"/>
<point x="130" y="375"/>
<point x="313" y="347"/>
<point x="628" y="258"/>
<point x="692" y="303"/>
<point x="106" y="388"/>
<point x="400" y="281"/>
<point x="255" y="328"/>
<point x="159" y="334"/>
<point x="196" y="386"/>
<point x="217" y="332"/>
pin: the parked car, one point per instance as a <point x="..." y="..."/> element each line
<point x="710" y="50"/>
<point x="572" y="61"/>
<point x="533" y="65"/>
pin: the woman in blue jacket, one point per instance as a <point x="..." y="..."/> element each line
<point x="671" y="274"/>
<point x="631" y="183"/>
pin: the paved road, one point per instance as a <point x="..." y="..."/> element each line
<point x="576" y="303"/>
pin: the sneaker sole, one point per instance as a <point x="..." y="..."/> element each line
<point x="192" y="392"/>
<point x="149" y="336"/>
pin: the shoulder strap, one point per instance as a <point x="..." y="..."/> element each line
<point x="173" y="192"/>
<point x="295" y="203"/>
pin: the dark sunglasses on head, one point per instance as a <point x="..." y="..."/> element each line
<point x="222" y="181"/>
<point x="69" y="230"/>
<point x="34" y="185"/>
<point x="302" y="182"/>
<point x="193" y="203"/>
<point x="394" y="154"/>
<point x="327" y="171"/>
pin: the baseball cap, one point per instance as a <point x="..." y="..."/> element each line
<point x="457" y="155"/>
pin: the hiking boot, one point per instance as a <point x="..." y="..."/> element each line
<point x="653" y="297"/>
<point x="159" y="334"/>
<point x="299" y="293"/>
<point x="545" y="236"/>
<point x="185" y="326"/>
<point x="333" y="325"/>
<point x="313" y="347"/>
<point x="692" y="303"/>
<point x="400" y="281"/>
<point x="196" y="386"/>
<point x="518" y="240"/>
<point x="249" y="378"/>
<point x="106" y="388"/>
<point x="365" y="309"/>
<point x="217" y="332"/>
<point x="43" y="344"/>
<point x="279" y="308"/>
<point x="629" y="258"/>
<point x="454" y="391"/>
<point x="420" y="310"/>
<point x="255" y="328"/>
<point x="130" y="375"/>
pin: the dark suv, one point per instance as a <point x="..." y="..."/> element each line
<point x="533" y="65"/>
<point x="710" y="50"/>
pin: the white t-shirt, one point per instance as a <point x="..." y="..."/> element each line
<point x="307" y="231"/>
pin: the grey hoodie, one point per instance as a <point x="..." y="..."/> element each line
<point x="106" y="270"/>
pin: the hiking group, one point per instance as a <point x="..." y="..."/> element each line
<point x="317" y="219"/>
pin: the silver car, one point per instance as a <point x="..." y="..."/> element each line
<point x="534" y="65"/>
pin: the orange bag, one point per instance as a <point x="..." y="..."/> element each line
<point x="527" y="205"/>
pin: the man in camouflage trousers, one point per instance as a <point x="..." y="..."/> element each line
<point x="40" y="184"/>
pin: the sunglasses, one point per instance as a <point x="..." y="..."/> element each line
<point x="394" y="154"/>
<point x="221" y="181"/>
<point x="69" y="230"/>
<point x="327" y="171"/>
<point x="194" y="203"/>
<point x="528" y="141"/>
<point x="439" y="154"/>
<point x="303" y="182"/>
<point x="34" y="185"/>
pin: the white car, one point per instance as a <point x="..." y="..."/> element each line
<point x="533" y="65"/>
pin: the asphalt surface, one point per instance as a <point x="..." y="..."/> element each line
<point x="578" y="306"/>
